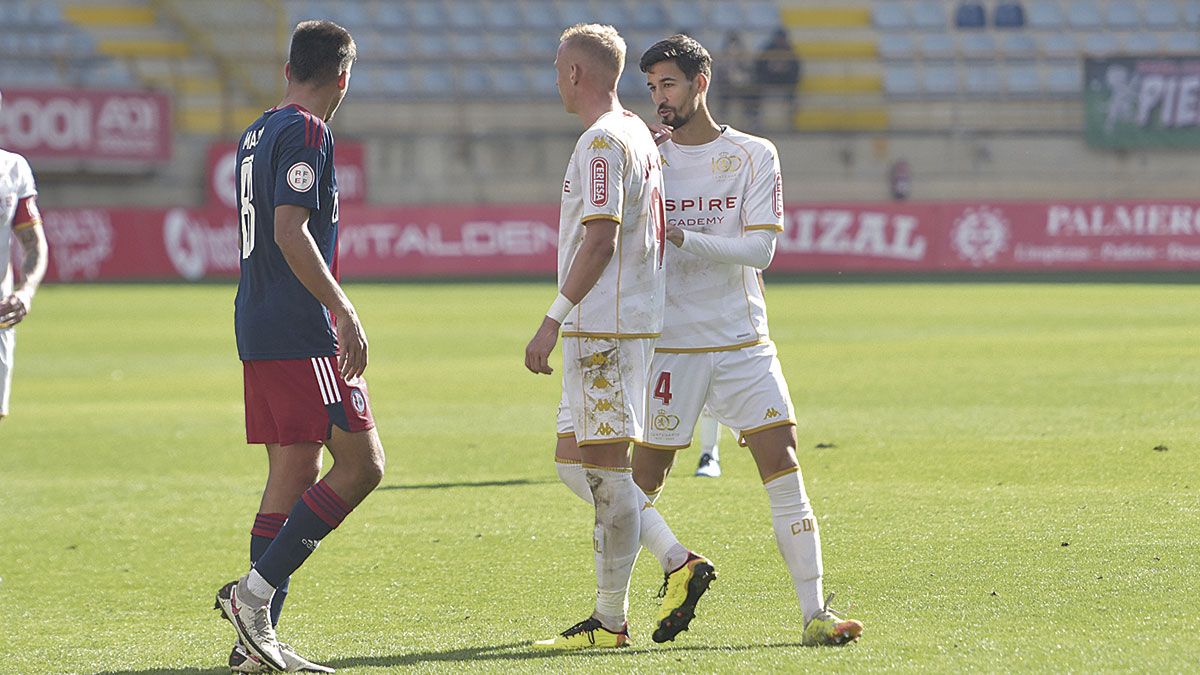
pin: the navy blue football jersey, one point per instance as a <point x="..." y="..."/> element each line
<point x="285" y="157"/>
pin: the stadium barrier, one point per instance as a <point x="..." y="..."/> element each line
<point x="109" y="244"/>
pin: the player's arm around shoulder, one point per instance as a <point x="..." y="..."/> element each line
<point x="27" y="226"/>
<point x="303" y="257"/>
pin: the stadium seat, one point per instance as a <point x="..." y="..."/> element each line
<point x="730" y="15"/>
<point x="1161" y="14"/>
<point x="433" y="44"/>
<point x="465" y="14"/>
<point x="610" y="12"/>
<point x="937" y="46"/>
<point x="983" y="79"/>
<point x="391" y="15"/>
<point x="1021" y="78"/>
<point x="890" y="16"/>
<point x="1009" y="14"/>
<point x="901" y="80"/>
<point x="1018" y="45"/>
<point x="762" y="15"/>
<point x="1084" y="15"/>
<point x="541" y="81"/>
<point x="505" y="45"/>
<point x="571" y="12"/>
<point x="509" y="81"/>
<point x="1122" y="14"/>
<point x="539" y="15"/>
<point x="1058" y="45"/>
<point x="978" y="46"/>
<point x="501" y="15"/>
<point x="940" y="80"/>
<point x="434" y="80"/>
<point x="1182" y="42"/>
<point x="1046" y="15"/>
<point x="1063" y="79"/>
<point x="688" y="15"/>
<point x="929" y="15"/>
<point x="393" y="44"/>
<point x="425" y="14"/>
<point x="896" y="46"/>
<point x="1191" y="13"/>
<point x="970" y="15"/>
<point x="1100" y="44"/>
<point x="469" y="45"/>
<point x="648" y="16"/>
<point x="474" y="78"/>
<point x="1142" y="43"/>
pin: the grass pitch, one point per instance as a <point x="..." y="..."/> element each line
<point x="1012" y="486"/>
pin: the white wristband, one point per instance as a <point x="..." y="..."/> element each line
<point x="560" y="308"/>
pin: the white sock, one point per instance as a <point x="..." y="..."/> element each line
<point x="615" y="541"/>
<point x="658" y="538"/>
<point x="656" y="535"/>
<point x="710" y="432"/>
<point x="798" y="538"/>
<point x="255" y="590"/>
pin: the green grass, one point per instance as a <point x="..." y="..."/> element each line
<point x="994" y="501"/>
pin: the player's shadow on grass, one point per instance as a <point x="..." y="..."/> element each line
<point x="513" y="651"/>
<point x="465" y="484"/>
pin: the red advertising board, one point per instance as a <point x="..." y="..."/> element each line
<point x="349" y="157"/>
<point x="522" y="240"/>
<point x="86" y="125"/>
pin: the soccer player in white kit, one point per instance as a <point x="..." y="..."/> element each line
<point x="19" y="214"/>
<point x="724" y="208"/>
<point x="609" y="307"/>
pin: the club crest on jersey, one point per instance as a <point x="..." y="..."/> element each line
<point x="726" y="163"/>
<point x="300" y="177"/>
<point x="358" y="401"/>
<point x="599" y="143"/>
<point x="599" y="181"/>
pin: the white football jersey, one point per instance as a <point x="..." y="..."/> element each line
<point x="615" y="173"/>
<point x="725" y="188"/>
<point x="16" y="183"/>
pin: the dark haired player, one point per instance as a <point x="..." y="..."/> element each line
<point x="302" y="346"/>
<point x="724" y="209"/>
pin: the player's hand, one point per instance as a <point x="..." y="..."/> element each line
<point x="13" y="309"/>
<point x="537" y="352"/>
<point x="660" y="132"/>
<point x="352" y="345"/>
<point x="674" y="235"/>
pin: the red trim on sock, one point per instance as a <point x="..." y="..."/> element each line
<point x="324" y="502"/>
<point x="268" y="524"/>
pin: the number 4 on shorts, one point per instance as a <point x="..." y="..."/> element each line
<point x="662" y="388"/>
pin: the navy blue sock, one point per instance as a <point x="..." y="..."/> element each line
<point x="316" y="514"/>
<point x="266" y="528"/>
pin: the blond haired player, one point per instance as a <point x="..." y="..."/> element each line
<point x="20" y="218"/>
<point x="724" y="208"/>
<point x="609" y="308"/>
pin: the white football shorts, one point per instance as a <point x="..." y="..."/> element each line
<point x="604" y="389"/>
<point x="743" y="389"/>
<point x="7" y="341"/>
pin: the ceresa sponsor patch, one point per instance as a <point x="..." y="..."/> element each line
<point x="301" y="177"/>
<point x="778" y="195"/>
<point x="599" y="181"/>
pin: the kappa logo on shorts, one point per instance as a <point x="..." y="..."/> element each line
<point x="665" y="422"/>
<point x="771" y="412"/>
<point x="358" y="401"/>
<point x="605" y="429"/>
<point x="604" y="405"/>
<point x="601" y="383"/>
<point x="301" y="177"/>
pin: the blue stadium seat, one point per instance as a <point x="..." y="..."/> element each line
<point x="729" y="15"/>
<point x="1161" y="14"/>
<point x="502" y="15"/>
<point x="1122" y="14"/>
<point x="474" y="78"/>
<point x="1022" y="78"/>
<point x="432" y="44"/>
<point x="1191" y="13"/>
<point x="1142" y="43"/>
<point x="978" y="46"/>
<point x="470" y="45"/>
<point x="108" y="73"/>
<point x="762" y="15"/>
<point x="1064" y="79"/>
<point x="890" y="16"/>
<point x="937" y="46"/>
<point x="505" y="45"/>
<point x="1046" y="15"/>
<point x="1100" y="44"/>
<point x="1084" y="15"/>
<point x="1018" y="45"/>
<point x="896" y="46"/>
<point x="433" y="80"/>
<point x="541" y="45"/>
<point x="465" y="14"/>
<point x="901" y="80"/>
<point x="541" y="81"/>
<point x="1182" y="42"/>
<point x="1059" y="45"/>
<point x="983" y="79"/>
<point x="649" y="16"/>
<point x="1009" y="14"/>
<point x="540" y="14"/>
<point x="940" y="80"/>
<point x="426" y="14"/>
<point x="48" y="13"/>
<point x="688" y="15"/>
<point x="571" y="12"/>
<point x="391" y="15"/>
<point x="929" y="15"/>
<point x="509" y="81"/>
<point x="394" y="45"/>
<point x="610" y="12"/>
<point x="970" y="15"/>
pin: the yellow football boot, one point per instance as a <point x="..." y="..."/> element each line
<point x="680" y="591"/>
<point x="589" y="634"/>
<point x="829" y="629"/>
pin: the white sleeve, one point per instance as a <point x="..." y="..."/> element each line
<point x="602" y="162"/>
<point x="756" y="249"/>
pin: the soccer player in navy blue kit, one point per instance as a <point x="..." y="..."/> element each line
<point x="301" y="343"/>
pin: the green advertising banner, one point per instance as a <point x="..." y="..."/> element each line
<point x="1142" y="102"/>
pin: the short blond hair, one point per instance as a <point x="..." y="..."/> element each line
<point x="601" y="42"/>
